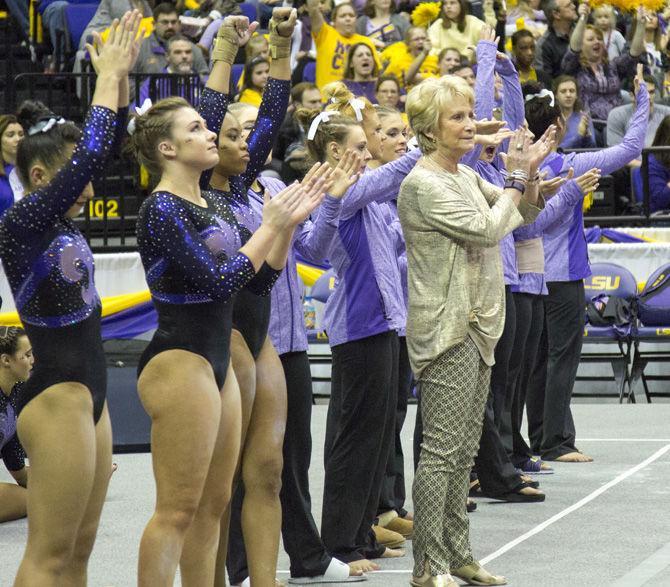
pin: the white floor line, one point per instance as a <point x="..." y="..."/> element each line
<point x="647" y="569"/>
<point x="582" y="502"/>
<point x="624" y="440"/>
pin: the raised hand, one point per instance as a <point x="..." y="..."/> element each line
<point x="238" y="29"/>
<point x="589" y="181"/>
<point x="488" y="127"/>
<point x="639" y="78"/>
<point x="584" y="10"/>
<point x="346" y="174"/>
<point x="116" y="55"/>
<point x="519" y="156"/>
<point x="314" y="191"/>
<point x="487" y="33"/>
<point x="542" y="147"/>
<point x="284" y="19"/>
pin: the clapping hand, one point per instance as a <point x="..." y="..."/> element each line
<point x="589" y="181"/>
<point x="542" y="147"/>
<point x="548" y="187"/>
<point x="494" y="140"/>
<point x="346" y="174"/>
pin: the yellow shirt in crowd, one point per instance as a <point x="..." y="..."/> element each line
<point x="399" y="59"/>
<point x="331" y="53"/>
<point x="252" y="97"/>
<point x="441" y="38"/>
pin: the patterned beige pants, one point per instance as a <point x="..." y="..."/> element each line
<point x="454" y="389"/>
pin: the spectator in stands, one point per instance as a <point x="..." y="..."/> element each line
<point x="153" y="52"/>
<point x="534" y="20"/>
<point x="179" y="53"/>
<point x="387" y="93"/>
<point x="579" y="131"/>
<point x="465" y="71"/>
<point x="655" y="42"/>
<point x="107" y="11"/>
<point x="303" y="95"/>
<point x="19" y="10"/>
<point x="605" y="20"/>
<point x="523" y="52"/>
<point x="333" y="42"/>
<point x="620" y="117"/>
<point x="256" y="73"/>
<point x="410" y="61"/>
<point x="600" y="81"/>
<point x="16" y="362"/>
<point x="381" y="23"/>
<point x="53" y="19"/>
<point x="455" y="28"/>
<point x="361" y="71"/>
<point x="11" y="133"/>
<point x="659" y="170"/>
<point x="551" y="47"/>
<point x="448" y="59"/>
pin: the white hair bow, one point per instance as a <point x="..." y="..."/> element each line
<point x="322" y="117"/>
<point x="543" y="94"/>
<point x="45" y="125"/>
<point x="358" y="105"/>
<point x="140" y="110"/>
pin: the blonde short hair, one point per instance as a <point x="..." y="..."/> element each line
<point x="428" y="100"/>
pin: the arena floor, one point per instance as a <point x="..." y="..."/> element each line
<point x="604" y="523"/>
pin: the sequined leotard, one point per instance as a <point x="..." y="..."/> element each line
<point x="193" y="268"/>
<point x="251" y="311"/>
<point x="11" y="450"/>
<point x="50" y="270"/>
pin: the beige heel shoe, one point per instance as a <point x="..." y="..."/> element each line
<point x="428" y="580"/>
<point x="475" y="574"/>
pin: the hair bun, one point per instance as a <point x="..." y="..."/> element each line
<point x="337" y="93"/>
<point x="30" y="112"/>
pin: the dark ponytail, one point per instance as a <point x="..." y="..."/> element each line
<point x="44" y="141"/>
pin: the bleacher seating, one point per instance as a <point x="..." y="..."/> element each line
<point x="77" y="17"/>
<point x="249" y="10"/>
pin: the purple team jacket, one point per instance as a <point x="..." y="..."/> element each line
<point x="556" y="209"/>
<point x="312" y="240"/>
<point x="566" y="255"/>
<point x="368" y="297"/>
<point x="513" y="114"/>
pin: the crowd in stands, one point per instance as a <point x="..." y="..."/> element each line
<point x="381" y="49"/>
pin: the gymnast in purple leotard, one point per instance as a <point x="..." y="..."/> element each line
<point x="50" y="270"/>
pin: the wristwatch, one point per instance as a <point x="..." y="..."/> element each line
<point x="514" y="184"/>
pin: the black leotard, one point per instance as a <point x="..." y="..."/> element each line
<point x="50" y="269"/>
<point x="193" y="267"/>
<point x="11" y="450"/>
